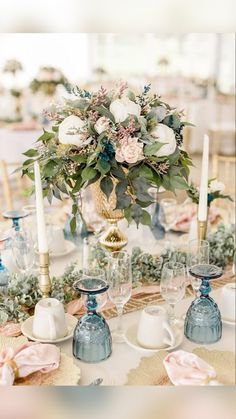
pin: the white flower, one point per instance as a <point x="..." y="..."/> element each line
<point x="130" y="151"/>
<point x="56" y="75"/>
<point x="122" y="108"/>
<point x="44" y="75"/>
<point x="164" y="134"/>
<point x="68" y="131"/>
<point x="101" y="125"/>
<point x="216" y="186"/>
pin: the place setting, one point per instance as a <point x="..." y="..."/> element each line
<point x="117" y="231"/>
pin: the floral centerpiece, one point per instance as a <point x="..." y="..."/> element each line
<point x="12" y="66"/>
<point x="126" y="143"/>
<point x="47" y="80"/>
<point x="215" y="191"/>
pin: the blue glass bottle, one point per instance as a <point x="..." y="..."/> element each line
<point x="203" y="319"/>
<point x="92" y="337"/>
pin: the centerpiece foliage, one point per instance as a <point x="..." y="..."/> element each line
<point x="126" y="142"/>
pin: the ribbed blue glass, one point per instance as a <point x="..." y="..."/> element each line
<point x="92" y="337"/>
<point x="203" y="319"/>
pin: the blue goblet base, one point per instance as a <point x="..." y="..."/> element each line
<point x="92" y="339"/>
<point x="203" y="321"/>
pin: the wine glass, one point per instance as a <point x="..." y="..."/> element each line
<point x="172" y="286"/>
<point x="198" y="254"/>
<point x="167" y="213"/>
<point x="92" y="338"/>
<point x="23" y="251"/>
<point x="119" y="277"/>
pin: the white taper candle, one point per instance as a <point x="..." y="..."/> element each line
<point x="202" y="207"/>
<point x="41" y="225"/>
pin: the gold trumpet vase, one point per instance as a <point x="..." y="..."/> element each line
<point x="112" y="239"/>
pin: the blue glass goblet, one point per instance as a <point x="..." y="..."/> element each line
<point x="203" y="320"/>
<point x="3" y="270"/>
<point x="15" y="216"/>
<point x="92" y="337"/>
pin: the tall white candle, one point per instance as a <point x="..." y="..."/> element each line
<point x="41" y="226"/>
<point x="202" y="207"/>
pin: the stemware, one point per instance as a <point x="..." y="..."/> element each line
<point x="23" y="251"/>
<point x="198" y="254"/>
<point x="172" y="285"/>
<point x="167" y="213"/>
<point x="92" y="337"/>
<point x="119" y="277"/>
<point x="15" y="216"/>
<point x="203" y="319"/>
<point x="4" y="237"/>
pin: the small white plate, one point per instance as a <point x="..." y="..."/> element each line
<point x="131" y="340"/>
<point x="229" y="322"/>
<point x="27" y="329"/>
<point x="69" y="247"/>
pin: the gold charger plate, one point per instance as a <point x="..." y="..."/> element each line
<point x="151" y="371"/>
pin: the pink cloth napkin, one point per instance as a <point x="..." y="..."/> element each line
<point x="76" y="307"/>
<point x="10" y="329"/>
<point x="185" y="368"/>
<point x="28" y="358"/>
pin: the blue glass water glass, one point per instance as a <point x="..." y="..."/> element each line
<point x="92" y="337"/>
<point x="203" y="319"/>
<point x="15" y="216"/>
<point x="3" y="270"/>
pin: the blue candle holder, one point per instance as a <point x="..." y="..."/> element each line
<point x="203" y="320"/>
<point x="92" y="337"/>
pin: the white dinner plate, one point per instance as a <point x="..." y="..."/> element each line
<point x="27" y="329"/>
<point x="69" y="247"/>
<point x="131" y="340"/>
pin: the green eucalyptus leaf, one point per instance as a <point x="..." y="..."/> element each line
<point x="106" y="185"/>
<point x="88" y="173"/>
<point x="50" y="168"/>
<point x="105" y="112"/>
<point x="145" y="218"/>
<point x="103" y="166"/>
<point x="151" y="149"/>
<point x="31" y="153"/>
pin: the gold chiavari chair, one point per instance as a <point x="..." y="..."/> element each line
<point x="223" y="168"/>
<point x="12" y="186"/>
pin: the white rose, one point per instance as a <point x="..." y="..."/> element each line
<point x="122" y="108"/>
<point x="216" y="186"/>
<point x="101" y="125"/>
<point x="44" y="75"/>
<point x="164" y="134"/>
<point x="68" y="131"/>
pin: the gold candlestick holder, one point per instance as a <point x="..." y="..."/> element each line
<point x="202" y="229"/>
<point x="44" y="278"/>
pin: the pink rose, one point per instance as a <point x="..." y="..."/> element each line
<point x="130" y="151"/>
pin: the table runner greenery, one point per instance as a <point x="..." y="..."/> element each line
<point x="23" y="292"/>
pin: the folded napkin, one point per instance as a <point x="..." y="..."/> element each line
<point x="76" y="307"/>
<point x="185" y="368"/>
<point x="28" y="358"/>
<point x="10" y="329"/>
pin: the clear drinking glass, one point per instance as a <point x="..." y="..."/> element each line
<point x="119" y="277"/>
<point x="198" y="254"/>
<point x="23" y="251"/>
<point x="172" y="286"/>
<point x="168" y="213"/>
